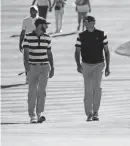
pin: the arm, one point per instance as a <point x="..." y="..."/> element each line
<point x="107" y="55"/>
<point x="76" y="7"/>
<point x="26" y="54"/>
<point x="22" y="34"/>
<point x="49" y="3"/>
<point x="77" y="59"/>
<point x="77" y="54"/>
<point x="26" y="58"/>
<point x="89" y="5"/>
<point x="33" y="2"/>
<point x="54" y="2"/>
<point x="106" y="50"/>
<point x="63" y="3"/>
<point x="50" y="58"/>
<point x="21" y="40"/>
<point x="76" y="3"/>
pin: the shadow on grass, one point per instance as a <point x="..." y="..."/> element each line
<point x="63" y="34"/>
<point x="53" y="35"/>
<point x="13" y="123"/>
<point x="14" y="85"/>
<point x="16" y="123"/>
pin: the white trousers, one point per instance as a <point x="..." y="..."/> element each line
<point x="37" y="82"/>
<point x="58" y="18"/>
<point x="92" y="74"/>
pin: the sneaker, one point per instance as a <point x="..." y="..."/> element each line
<point x="41" y="119"/>
<point x="89" y="117"/>
<point x="33" y="121"/>
<point x="95" y="116"/>
<point x="60" y="30"/>
<point x="56" y="31"/>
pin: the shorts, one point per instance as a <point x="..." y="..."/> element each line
<point x="43" y="11"/>
<point x="82" y="8"/>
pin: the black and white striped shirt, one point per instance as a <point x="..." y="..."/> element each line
<point x="38" y="47"/>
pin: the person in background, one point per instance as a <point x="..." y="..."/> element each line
<point x="43" y="6"/>
<point x="39" y="65"/>
<point x="91" y="44"/>
<point x="59" y="12"/>
<point x="82" y="8"/>
<point x="28" y="26"/>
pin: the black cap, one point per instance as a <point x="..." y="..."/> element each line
<point x="41" y="20"/>
<point x="90" y="18"/>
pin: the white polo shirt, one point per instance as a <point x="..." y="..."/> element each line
<point x="43" y="2"/>
<point x="28" y="24"/>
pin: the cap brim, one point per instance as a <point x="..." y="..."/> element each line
<point x="91" y="21"/>
<point x="48" y="23"/>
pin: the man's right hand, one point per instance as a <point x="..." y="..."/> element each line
<point x="51" y="72"/>
<point x="20" y="48"/>
<point x="79" y="69"/>
<point x="89" y="10"/>
<point x="27" y="67"/>
<point x="76" y="9"/>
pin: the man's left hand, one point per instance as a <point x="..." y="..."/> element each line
<point x="107" y="72"/>
<point x="80" y="69"/>
<point x="51" y="73"/>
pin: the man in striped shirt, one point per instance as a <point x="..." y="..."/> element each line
<point x="91" y="44"/>
<point x="39" y="65"/>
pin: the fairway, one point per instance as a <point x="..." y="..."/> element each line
<point x="66" y="121"/>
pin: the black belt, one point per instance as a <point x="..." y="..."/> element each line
<point x="38" y="63"/>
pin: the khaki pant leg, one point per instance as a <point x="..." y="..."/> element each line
<point x="42" y="83"/>
<point x="88" y="88"/>
<point x="32" y="93"/>
<point x="97" y="77"/>
<point x="61" y="17"/>
<point x="57" y="15"/>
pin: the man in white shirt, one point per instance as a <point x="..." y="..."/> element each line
<point x="43" y="6"/>
<point x="28" y="25"/>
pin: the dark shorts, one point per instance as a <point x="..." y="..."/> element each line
<point x="43" y="11"/>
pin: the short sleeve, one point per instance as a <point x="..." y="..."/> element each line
<point x="105" y="40"/>
<point x="24" y="25"/>
<point x="25" y="42"/>
<point x="78" y="42"/>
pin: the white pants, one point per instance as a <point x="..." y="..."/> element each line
<point x="58" y="18"/>
<point x="92" y="74"/>
<point x="37" y="82"/>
